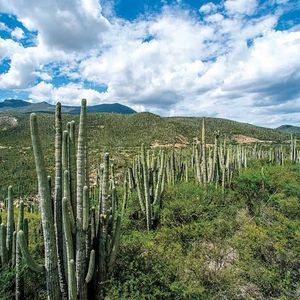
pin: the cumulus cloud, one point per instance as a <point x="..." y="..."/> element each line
<point x="68" y="25"/>
<point x="70" y="94"/>
<point x="17" y="33"/>
<point x="246" y="7"/>
<point x="226" y="64"/>
<point x="208" y="8"/>
<point x="25" y="62"/>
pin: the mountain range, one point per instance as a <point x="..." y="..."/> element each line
<point x="22" y="106"/>
<point x="288" y="129"/>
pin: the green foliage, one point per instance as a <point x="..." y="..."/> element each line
<point x="211" y="246"/>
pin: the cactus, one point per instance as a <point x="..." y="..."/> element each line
<point x="58" y="200"/>
<point x="150" y="186"/>
<point x="10" y="222"/>
<point x="3" y="249"/>
<point x="22" y="242"/>
<point x="90" y="245"/>
<point x="204" y="162"/>
<point x="52" y="276"/>
<point x="81" y="178"/>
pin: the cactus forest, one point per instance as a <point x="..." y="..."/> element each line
<point x="211" y="220"/>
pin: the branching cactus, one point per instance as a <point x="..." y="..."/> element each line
<point x="150" y="188"/>
<point x="89" y="239"/>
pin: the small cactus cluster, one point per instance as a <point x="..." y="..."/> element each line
<point x="149" y="181"/>
<point x="81" y="243"/>
<point x="10" y="249"/>
<point x="7" y="236"/>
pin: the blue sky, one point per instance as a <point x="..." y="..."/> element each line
<point x="237" y="59"/>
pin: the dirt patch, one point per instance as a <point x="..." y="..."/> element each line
<point x="244" y="139"/>
<point x="182" y="142"/>
<point x="176" y="145"/>
<point x="7" y="122"/>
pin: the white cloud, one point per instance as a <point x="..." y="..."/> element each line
<point x="8" y="48"/>
<point x="17" y="33"/>
<point x="208" y="8"/>
<point x="4" y="27"/>
<point x="246" y="7"/>
<point x="225" y="65"/>
<point x="67" y="25"/>
<point x="25" y="62"/>
<point x="70" y="94"/>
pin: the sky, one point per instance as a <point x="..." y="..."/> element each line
<point x="235" y="59"/>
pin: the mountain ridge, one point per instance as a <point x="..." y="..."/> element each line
<point x="23" y="106"/>
<point x="288" y="128"/>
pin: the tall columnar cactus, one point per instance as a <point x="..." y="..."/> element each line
<point x="52" y="275"/>
<point x="108" y="233"/>
<point x="146" y="188"/>
<point x="81" y="178"/>
<point x="3" y="249"/>
<point x="6" y="238"/>
<point x="72" y="165"/>
<point x="10" y="222"/>
<point x="215" y="161"/>
<point x="150" y="186"/>
<point x="90" y="243"/>
<point x="19" y="291"/>
<point x="58" y="200"/>
<point x="204" y="162"/>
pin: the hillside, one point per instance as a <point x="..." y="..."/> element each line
<point x="117" y="130"/>
<point x="288" y="129"/>
<point x="110" y="132"/>
<point x="21" y="106"/>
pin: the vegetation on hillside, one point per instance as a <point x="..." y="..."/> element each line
<point x="109" y="132"/>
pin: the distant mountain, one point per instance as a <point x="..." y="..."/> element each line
<point x="22" y="106"/>
<point x="288" y="129"/>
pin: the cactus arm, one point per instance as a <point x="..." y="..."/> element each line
<point x="158" y="190"/>
<point x="72" y="289"/>
<point x="125" y="198"/>
<point x="72" y="280"/>
<point x="13" y="253"/>
<point x="91" y="268"/>
<point x="26" y="231"/>
<point x="67" y="196"/>
<point x="139" y="191"/>
<point x="26" y="255"/>
<point x="115" y="244"/>
<point x="85" y="222"/>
